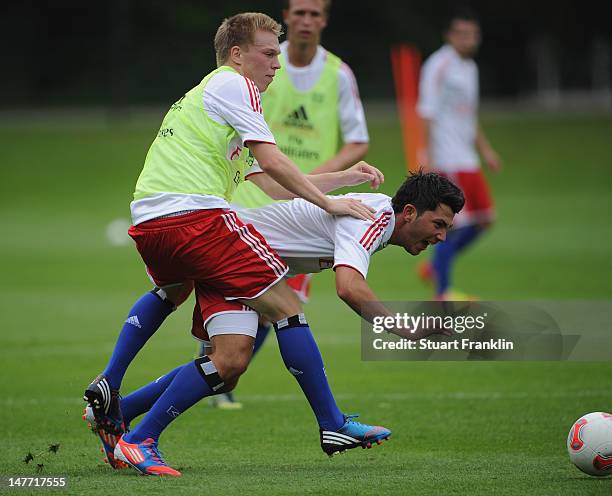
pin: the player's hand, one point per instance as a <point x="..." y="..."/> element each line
<point x="349" y="206"/>
<point x="362" y="172"/>
<point x="492" y="160"/>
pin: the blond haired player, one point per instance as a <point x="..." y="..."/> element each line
<point x="188" y="236"/>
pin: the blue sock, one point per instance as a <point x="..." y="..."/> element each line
<point x="442" y="263"/>
<point x="262" y="334"/>
<point x="303" y="359"/>
<point x="144" y="319"/>
<point x="186" y="389"/>
<point x="466" y="236"/>
<point x="445" y="253"/>
<point x="141" y="400"/>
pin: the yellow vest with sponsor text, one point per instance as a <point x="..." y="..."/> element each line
<point x="192" y="154"/>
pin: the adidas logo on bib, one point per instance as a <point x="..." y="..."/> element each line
<point x="298" y="118"/>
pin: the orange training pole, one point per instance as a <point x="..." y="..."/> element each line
<point x="406" y="62"/>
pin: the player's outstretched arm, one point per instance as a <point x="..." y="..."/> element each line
<point x="353" y="289"/>
<point x="359" y="173"/>
<point x="280" y="168"/>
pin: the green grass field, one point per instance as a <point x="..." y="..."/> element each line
<point x="458" y="428"/>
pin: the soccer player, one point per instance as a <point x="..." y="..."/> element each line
<point x="309" y="240"/>
<point x="313" y="102"/>
<point x="448" y="104"/>
<point x="188" y="236"/>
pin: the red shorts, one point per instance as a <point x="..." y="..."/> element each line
<point x="210" y="303"/>
<point x="478" y="201"/>
<point x="212" y="248"/>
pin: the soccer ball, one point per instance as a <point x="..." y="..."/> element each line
<point x="589" y="443"/>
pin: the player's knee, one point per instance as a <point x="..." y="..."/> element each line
<point x="231" y="366"/>
<point x="232" y="370"/>
<point x="233" y="338"/>
<point x="220" y="376"/>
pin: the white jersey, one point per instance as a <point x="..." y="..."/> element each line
<point x="309" y="239"/>
<point x="350" y="110"/>
<point x="448" y="98"/>
<point x="234" y="100"/>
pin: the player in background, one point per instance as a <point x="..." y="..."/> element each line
<point x="316" y="116"/>
<point x="188" y="236"/>
<point x="309" y="240"/>
<point x="448" y="105"/>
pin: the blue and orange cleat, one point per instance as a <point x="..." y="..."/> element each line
<point x="352" y="435"/>
<point x="109" y="441"/>
<point x="144" y="457"/>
